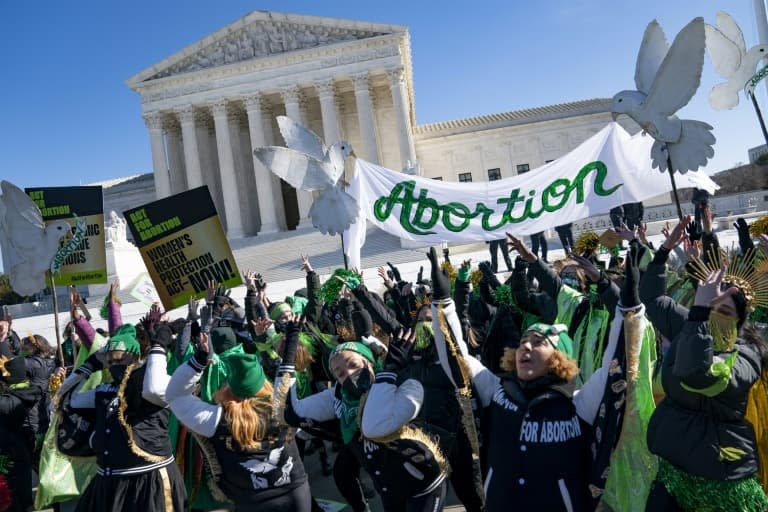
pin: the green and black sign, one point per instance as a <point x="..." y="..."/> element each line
<point x="183" y="246"/>
<point x="87" y="262"/>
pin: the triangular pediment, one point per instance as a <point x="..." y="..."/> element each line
<point x="259" y="35"/>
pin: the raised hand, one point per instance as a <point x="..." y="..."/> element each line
<point x="624" y="232"/>
<point x="642" y="233"/>
<point x="399" y="351"/>
<point x="192" y="307"/>
<point x="589" y="268"/>
<point x="691" y="248"/>
<point x="395" y="272"/>
<point x="693" y="231"/>
<point x="306" y="266"/>
<point x="382" y="272"/>
<point x="210" y="291"/>
<point x="677" y="234"/>
<point x="114" y="287"/>
<point x="522" y="249"/>
<point x="261" y="325"/>
<point x="249" y="276"/>
<point x="441" y="283"/>
<point x="629" y="295"/>
<point x="708" y="293"/>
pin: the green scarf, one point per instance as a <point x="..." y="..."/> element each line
<point x="348" y="417"/>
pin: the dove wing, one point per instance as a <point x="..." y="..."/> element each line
<point x="300" y="138"/>
<point x="725" y="54"/>
<point x="728" y="26"/>
<point x="652" y="52"/>
<point x="22" y="223"/>
<point x="680" y="73"/>
<point x="300" y="170"/>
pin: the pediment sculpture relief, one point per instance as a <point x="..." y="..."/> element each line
<point x="262" y="39"/>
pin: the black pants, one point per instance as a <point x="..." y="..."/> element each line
<point x="566" y="237"/>
<point x="298" y="500"/>
<point x="495" y="246"/>
<point x="539" y="240"/>
<point x="346" y="475"/>
<point x="432" y="502"/>
<point x="465" y="485"/>
<point x="659" y="499"/>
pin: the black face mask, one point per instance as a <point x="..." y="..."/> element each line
<point x="118" y="372"/>
<point x="357" y="384"/>
<point x="280" y="326"/>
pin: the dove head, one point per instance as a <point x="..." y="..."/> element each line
<point x="626" y="102"/>
<point x="757" y="52"/>
<point x="345" y="148"/>
<point x="55" y="231"/>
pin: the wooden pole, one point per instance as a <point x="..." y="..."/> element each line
<point x="759" y="116"/>
<point x="56" y="322"/>
<point x="674" y="186"/>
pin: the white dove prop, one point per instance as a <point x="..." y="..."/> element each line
<point x="666" y="80"/>
<point x="30" y="244"/>
<point x="308" y="165"/>
<point x="731" y="59"/>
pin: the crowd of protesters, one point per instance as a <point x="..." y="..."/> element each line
<point x="563" y="386"/>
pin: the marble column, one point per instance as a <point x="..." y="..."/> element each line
<point x="234" y="222"/>
<point x="402" y="115"/>
<point x="154" y="123"/>
<point x="369" y="151"/>
<point x="326" y="93"/>
<point x="175" y="150"/>
<point x="277" y="183"/>
<point x="264" y="189"/>
<point x="191" y="151"/>
<point x="292" y="99"/>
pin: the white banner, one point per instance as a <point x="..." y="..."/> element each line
<point x="609" y="169"/>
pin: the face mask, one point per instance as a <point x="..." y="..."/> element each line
<point x="280" y="326"/>
<point x="424" y="335"/>
<point x="357" y="384"/>
<point x="571" y="281"/>
<point x="117" y="372"/>
<point x="724" y="331"/>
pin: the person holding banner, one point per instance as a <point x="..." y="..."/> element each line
<point x="252" y="454"/>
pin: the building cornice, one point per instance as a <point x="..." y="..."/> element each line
<point x="513" y="118"/>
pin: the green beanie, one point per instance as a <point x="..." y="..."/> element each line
<point x="245" y="375"/>
<point x="222" y="339"/>
<point x="278" y="309"/>
<point x="353" y="346"/>
<point x="557" y="334"/>
<point x="124" y="340"/>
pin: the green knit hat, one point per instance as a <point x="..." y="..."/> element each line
<point x="557" y="334"/>
<point x="278" y="309"/>
<point x="245" y="375"/>
<point x="353" y="346"/>
<point x="124" y="340"/>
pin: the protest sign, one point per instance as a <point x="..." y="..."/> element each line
<point x="85" y="263"/>
<point x="144" y="291"/>
<point x="183" y="246"/>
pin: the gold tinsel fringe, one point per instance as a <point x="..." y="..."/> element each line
<point x="149" y="457"/>
<point x="212" y="467"/>
<point x="633" y="343"/>
<point x="464" y="392"/>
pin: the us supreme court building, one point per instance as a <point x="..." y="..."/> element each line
<point x="207" y="107"/>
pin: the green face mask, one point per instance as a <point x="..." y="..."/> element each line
<point x="724" y="331"/>
<point x="424" y="335"/>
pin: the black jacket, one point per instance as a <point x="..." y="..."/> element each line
<point x="697" y="433"/>
<point x="527" y="469"/>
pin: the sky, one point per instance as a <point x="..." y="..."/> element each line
<point x="68" y="118"/>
